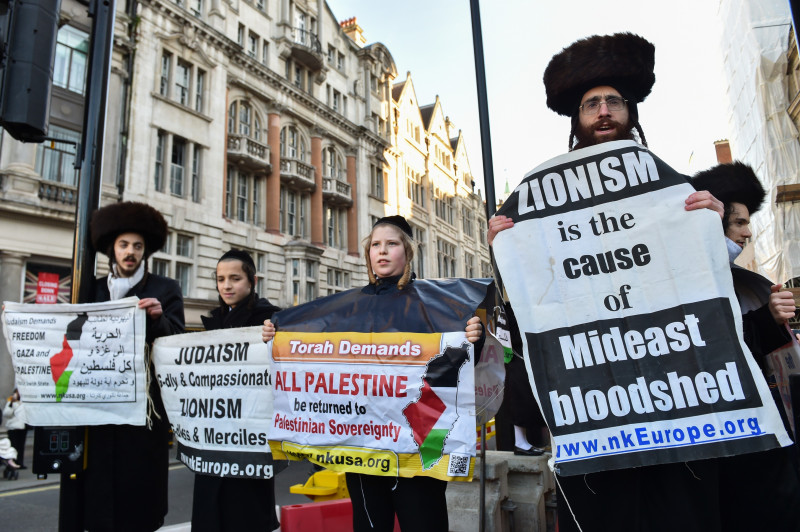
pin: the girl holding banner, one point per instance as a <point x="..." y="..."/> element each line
<point x="221" y="503"/>
<point x="418" y="501"/>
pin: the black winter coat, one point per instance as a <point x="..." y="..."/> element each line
<point x="233" y="504"/>
<point x="125" y="485"/>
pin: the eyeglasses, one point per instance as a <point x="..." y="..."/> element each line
<point x="614" y="103"/>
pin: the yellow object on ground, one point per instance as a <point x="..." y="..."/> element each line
<point x="323" y="485"/>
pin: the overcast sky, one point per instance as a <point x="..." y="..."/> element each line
<point x="682" y="117"/>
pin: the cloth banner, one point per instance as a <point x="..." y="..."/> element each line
<point x="630" y="325"/>
<point x="79" y="364"/>
<point x="379" y="384"/>
<point x="781" y="364"/>
<point x="216" y="389"/>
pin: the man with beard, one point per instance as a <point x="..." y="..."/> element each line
<point x="598" y="82"/>
<point x="765" y="311"/>
<point x="125" y="485"/>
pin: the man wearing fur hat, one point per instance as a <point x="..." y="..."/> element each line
<point x="127" y="471"/>
<point x="598" y="83"/>
<point x="775" y="501"/>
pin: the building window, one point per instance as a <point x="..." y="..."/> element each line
<point x="373" y="83"/>
<point x="265" y="53"/>
<point x="243" y="196"/>
<point x="486" y="269"/>
<point x="303" y="280"/>
<point x="199" y="89"/>
<point x="261" y="272"/>
<point x="181" y="153"/>
<point x="159" y="170"/>
<point x="416" y="192"/>
<point x="419" y="256"/>
<point x="294" y="207"/>
<point x="332" y="165"/>
<point x="196" y="154"/>
<point x="166" y="61"/>
<point x="55" y="161"/>
<point x="443" y="206"/>
<point x="482" y="230"/>
<point x="188" y="85"/>
<point x="293" y="145"/>
<point x="331" y="55"/>
<point x="468" y="221"/>
<point x="182" y="257"/>
<point x="340" y="60"/>
<point x="446" y="257"/>
<point x="69" y="65"/>
<point x="240" y="35"/>
<point x="160" y="267"/>
<point x="338" y="280"/>
<point x="243" y="120"/>
<point x="252" y="45"/>
<point x="469" y="265"/>
<point x="182" y="73"/>
<point x="177" y="166"/>
<point x="337" y="100"/>
<point x="196" y="7"/>
<point x="376" y="181"/>
<point x="335" y="227"/>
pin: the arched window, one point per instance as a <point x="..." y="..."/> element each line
<point x="332" y="164"/>
<point x="293" y="145"/>
<point x="243" y="120"/>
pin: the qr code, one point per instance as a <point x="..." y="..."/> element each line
<point x="459" y="465"/>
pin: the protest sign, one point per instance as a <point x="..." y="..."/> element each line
<point x="216" y="389"/>
<point x="387" y="389"/>
<point x="630" y="325"/>
<point x="79" y="364"/>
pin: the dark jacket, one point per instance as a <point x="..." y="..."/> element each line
<point x="761" y="333"/>
<point x="234" y="504"/>
<point x="240" y="316"/>
<point x="125" y="485"/>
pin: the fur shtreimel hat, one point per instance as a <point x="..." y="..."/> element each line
<point x="732" y="182"/>
<point x="128" y="217"/>
<point x="624" y="61"/>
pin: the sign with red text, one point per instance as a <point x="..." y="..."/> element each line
<point x="216" y="389"/>
<point x="630" y="324"/>
<point x="393" y="404"/>
<point x="47" y="288"/>
<point x="79" y="364"/>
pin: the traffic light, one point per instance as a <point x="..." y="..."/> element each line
<point x="29" y="32"/>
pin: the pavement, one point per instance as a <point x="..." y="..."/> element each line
<point x="28" y="480"/>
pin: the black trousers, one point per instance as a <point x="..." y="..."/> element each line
<point x="233" y="504"/>
<point x="682" y="497"/>
<point x="17" y="438"/>
<point x="419" y="502"/>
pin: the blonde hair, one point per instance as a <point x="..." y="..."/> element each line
<point x="408" y="246"/>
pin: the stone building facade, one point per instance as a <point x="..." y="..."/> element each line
<point x="266" y="125"/>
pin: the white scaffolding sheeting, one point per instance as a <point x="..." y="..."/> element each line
<point x="754" y="42"/>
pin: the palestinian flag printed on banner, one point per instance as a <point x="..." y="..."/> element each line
<point x="427" y="416"/>
<point x="61" y="360"/>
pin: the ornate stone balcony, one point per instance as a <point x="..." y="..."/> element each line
<point x="336" y="192"/>
<point x="297" y="173"/>
<point x="249" y="153"/>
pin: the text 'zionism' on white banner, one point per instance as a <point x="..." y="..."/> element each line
<point x="630" y="324"/>
<point x="79" y="364"/>
<point x="216" y="388"/>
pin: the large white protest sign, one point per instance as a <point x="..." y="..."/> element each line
<point x="631" y="328"/>
<point x="79" y="364"/>
<point x="216" y="389"/>
<point x="392" y="404"/>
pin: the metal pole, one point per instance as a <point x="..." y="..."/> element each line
<point x="488" y="185"/>
<point x="483" y="109"/>
<point x="90" y="160"/>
